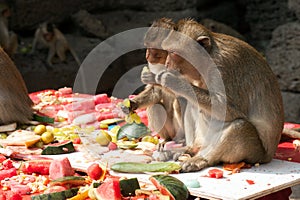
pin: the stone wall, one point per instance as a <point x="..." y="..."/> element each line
<point x="283" y="54"/>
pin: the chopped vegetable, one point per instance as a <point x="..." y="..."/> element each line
<point x="135" y="167"/>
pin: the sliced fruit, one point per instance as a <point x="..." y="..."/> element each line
<point x="32" y="141"/>
<point x="133" y="131"/>
<point x="109" y="190"/>
<point x="128" y="186"/>
<point x="47" y="137"/>
<point x="103" y="138"/>
<point x="171" y="186"/>
<point x="59" y="148"/>
<point x="39" y="129"/>
<point x="68" y="180"/>
<point x="127" y="144"/>
<point x="135" y="167"/>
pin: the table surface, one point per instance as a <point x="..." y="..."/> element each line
<point x="268" y="178"/>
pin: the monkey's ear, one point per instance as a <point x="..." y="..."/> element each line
<point x="204" y="41"/>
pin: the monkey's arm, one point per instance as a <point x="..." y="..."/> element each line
<point x="203" y="98"/>
<point x="150" y="96"/>
<point x="35" y="41"/>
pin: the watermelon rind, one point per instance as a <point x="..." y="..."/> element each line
<point x="56" y="195"/>
<point x="175" y="187"/>
<point x="133" y="131"/>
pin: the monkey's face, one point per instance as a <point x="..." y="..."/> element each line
<point x="6" y="13"/>
<point x="48" y="36"/>
<point x="156" y="59"/>
<point x="155" y="56"/>
<point x="186" y="69"/>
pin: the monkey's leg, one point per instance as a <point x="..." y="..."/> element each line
<point x="239" y="141"/>
<point x="51" y="55"/>
<point x="157" y="118"/>
<point x="61" y="52"/>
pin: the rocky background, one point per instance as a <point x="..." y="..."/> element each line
<point x="271" y="26"/>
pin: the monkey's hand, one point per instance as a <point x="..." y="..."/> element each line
<point x="128" y="106"/>
<point x="173" y="80"/>
<point x="147" y="77"/>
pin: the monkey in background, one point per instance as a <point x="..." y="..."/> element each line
<point x="251" y="127"/>
<point x="163" y="110"/>
<point x="50" y="37"/>
<point x="8" y="39"/>
<point x="219" y="27"/>
<point x="15" y="104"/>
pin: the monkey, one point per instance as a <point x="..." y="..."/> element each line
<point x="48" y="35"/>
<point x="162" y="106"/>
<point x="244" y="121"/>
<point x="219" y="27"/>
<point x="8" y="39"/>
<point x="15" y="104"/>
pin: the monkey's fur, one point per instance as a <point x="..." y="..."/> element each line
<point x="15" y="104"/>
<point x="163" y="109"/>
<point x="52" y="38"/>
<point x="251" y="128"/>
<point x="8" y="39"/>
<point x="219" y="27"/>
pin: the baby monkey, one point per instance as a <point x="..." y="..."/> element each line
<point x="163" y="109"/>
<point x="52" y="38"/>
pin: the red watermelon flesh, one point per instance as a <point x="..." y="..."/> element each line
<point x="109" y="190"/>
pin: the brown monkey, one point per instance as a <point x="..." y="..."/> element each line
<point x="8" y="39"/>
<point x="244" y="121"/>
<point x="219" y="27"/>
<point x="52" y="38"/>
<point x="15" y="104"/>
<point x="162" y="106"/>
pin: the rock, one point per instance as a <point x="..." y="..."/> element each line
<point x="90" y="25"/>
<point x="291" y="106"/>
<point x="263" y="17"/>
<point x="294" y="5"/>
<point x="283" y="56"/>
<point x="123" y="20"/>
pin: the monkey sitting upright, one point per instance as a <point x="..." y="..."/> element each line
<point x="53" y="39"/>
<point x="8" y="39"/>
<point x="163" y="110"/>
<point x="15" y="104"/>
<point x="244" y="121"/>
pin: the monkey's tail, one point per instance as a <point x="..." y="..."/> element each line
<point x="75" y="56"/>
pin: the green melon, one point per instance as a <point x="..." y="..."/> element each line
<point x="133" y="131"/>
<point x="171" y="186"/>
<point x="56" y="195"/>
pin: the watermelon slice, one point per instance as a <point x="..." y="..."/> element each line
<point x="170" y="186"/>
<point x="108" y="190"/>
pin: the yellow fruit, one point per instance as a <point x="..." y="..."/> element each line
<point x="40" y="129"/>
<point x="47" y="137"/>
<point x="103" y="138"/>
<point x="126" y="103"/>
<point x="103" y="126"/>
<point x="148" y="138"/>
<point x="34" y="139"/>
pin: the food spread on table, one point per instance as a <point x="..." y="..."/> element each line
<point x="82" y="146"/>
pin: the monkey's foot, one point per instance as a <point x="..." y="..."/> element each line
<point x="167" y="155"/>
<point x="194" y="164"/>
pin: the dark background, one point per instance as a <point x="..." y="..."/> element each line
<point x="271" y="26"/>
